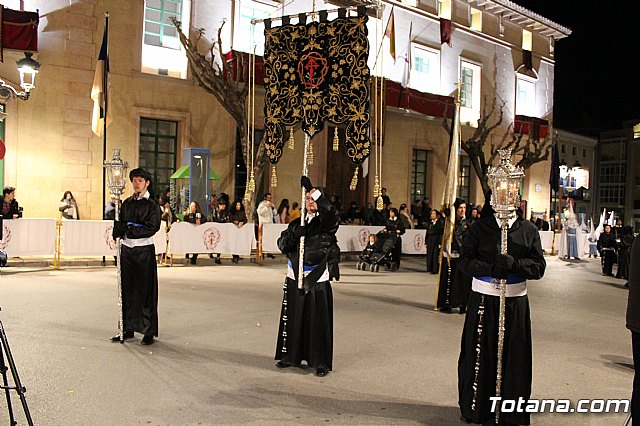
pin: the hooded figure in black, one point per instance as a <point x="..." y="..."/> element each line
<point x="306" y="320"/>
<point x="450" y="295"/>
<point x="480" y="258"/>
<point x="139" y="221"/>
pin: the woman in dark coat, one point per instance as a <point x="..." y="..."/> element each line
<point x="481" y="259"/>
<point x="395" y="227"/>
<point x="238" y="217"/>
<point x="435" y="228"/>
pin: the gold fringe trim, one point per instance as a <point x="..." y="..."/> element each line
<point x="354" y="180"/>
<point x="376" y="187"/>
<point x="292" y="141"/>
<point x="251" y="186"/>
<point x="274" y="177"/>
<point x="336" y="140"/>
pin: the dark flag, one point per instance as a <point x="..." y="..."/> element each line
<point x="554" y="175"/>
<point x="100" y="88"/>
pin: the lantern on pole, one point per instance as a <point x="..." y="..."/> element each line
<point x="505" y="181"/>
<point x="117" y="181"/>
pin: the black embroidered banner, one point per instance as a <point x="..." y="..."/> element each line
<point x="314" y="73"/>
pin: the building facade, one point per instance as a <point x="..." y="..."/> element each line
<point x="497" y="49"/>
<point x="618" y="157"/>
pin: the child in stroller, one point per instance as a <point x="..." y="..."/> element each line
<point x="379" y="251"/>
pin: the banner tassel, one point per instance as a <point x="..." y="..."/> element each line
<point x="354" y="180"/>
<point x="336" y="140"/>
<point x="376" y="187"/>
<point x="274" y="177"/>
<point x="310" y="155"/>
<point x="292" y="141"/>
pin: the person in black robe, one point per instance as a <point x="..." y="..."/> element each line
<point x="607" y="248"/>
<point x="435" y="227"/>
<point x="480" y="258"/>
<point x="306" y="319"/>
<point x="395" y="227"/>
<point x="624" y="248"/>
<point x="138" y="222"/>
<point x="448" y="296"/>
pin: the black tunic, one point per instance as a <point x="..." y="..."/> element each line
<point x="306" y="317"/>
<point x="607" y="247"/>
<point x="139" y="219"/>
<point x="434" y="240"/>
<point x="478" y="355"/>
<point x="453" y="290"/>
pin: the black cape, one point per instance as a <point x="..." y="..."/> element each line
<point x="305" y="331"/>
<point x="139" y="219"/>
<point x="477" y="364"/>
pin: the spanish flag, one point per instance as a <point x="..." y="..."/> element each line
<point x="391" y="33"/>
<point x="100" y="88"/>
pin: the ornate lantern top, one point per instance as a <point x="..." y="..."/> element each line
<point x="505" y="181"/>
<point x="116" y="173"/>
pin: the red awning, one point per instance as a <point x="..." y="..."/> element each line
<point x="424" y="103"/>
<point x="234" y="61"/>
<point x="536" y="127"/>
<point x="19" y="30"/>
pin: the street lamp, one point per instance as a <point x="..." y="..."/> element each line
<point x="117" y="181"/>
<point x="28" y="68"/>
<point x="504" y="181"/>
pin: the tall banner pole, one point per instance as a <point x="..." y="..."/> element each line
<point x="303" y="208"/>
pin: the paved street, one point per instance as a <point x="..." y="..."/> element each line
<point x="395" y="358"/>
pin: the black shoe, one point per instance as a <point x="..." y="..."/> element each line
<point x="466" y="420"/>
<point x="463" y="310"/>
<point x="210" y="256"/>
<point x="446" y="310"/>
<point x="126" y="335"/>
<point x="192" y="261"/>
<point x="282" y="364"/>
<point x="218" y="261"/>
<point x="270" y="256"/>
<point x="147" y="340"/>
<point x="322" y="371"/>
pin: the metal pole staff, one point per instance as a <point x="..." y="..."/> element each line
<point x="119" y="269"/>
<point x="303" y="213"/>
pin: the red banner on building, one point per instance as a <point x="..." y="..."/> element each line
<point x="18" y="30"/>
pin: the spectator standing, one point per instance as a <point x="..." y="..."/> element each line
<point x="367" y="214"/>
<point x="283" y="211"/>
<point x="10" y="208"/>
<point x="405" y="217"/>
<point x="69" y="207"/>
<point x="624" y="250"/>
<point x="194" y="215"/>
<point x="220" y="215"/>
<point x="607" y="249"/>
<point x="238" y="217"/>
<point x="435" y="228"/>
<point x="385" y="198"/>
<point x="395" y="227"/>
<point x="110" y="209"/>
<point x="266" y="213"/>
<point x="295" y="212"/>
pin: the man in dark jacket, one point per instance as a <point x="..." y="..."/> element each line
<point x="633" y="324"/>
<point x="481" y="259"/>
<point x="138" y="222"/>
<point x="10" y="208"/>
<point x="306" y="318"/>
<point x="607" y="247"/>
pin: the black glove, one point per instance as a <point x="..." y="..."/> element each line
<point x="305" y="182"/>
<point x="505" y="261"/>
<point x="499" y="273"/>
<point x="300" y="231"/>
<point x="119" y="229"/>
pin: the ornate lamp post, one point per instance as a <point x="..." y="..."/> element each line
<point x="28" y="68"/>
<point x="505" y="181"/>
<point x="117" y="181"/>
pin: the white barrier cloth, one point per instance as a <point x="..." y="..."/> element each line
<point x="211" y="237"/>
<point x="351" y="238"/>
<point x="93" y="238"/>
<point x="28" y="237"/>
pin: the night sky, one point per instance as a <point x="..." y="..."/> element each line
<point x="597" y="74"/>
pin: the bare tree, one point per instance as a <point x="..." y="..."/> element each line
<point x="217" y="77"/>
<point x="531" y="149"/>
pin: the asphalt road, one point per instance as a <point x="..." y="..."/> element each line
<point x="395" y="358"/>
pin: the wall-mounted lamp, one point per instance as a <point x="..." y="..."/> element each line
<point x="28" y="68"/>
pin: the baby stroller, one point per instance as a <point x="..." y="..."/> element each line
<point x="381" y="254"/>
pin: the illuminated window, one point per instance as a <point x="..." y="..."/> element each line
<point x="419" y="174"/>
<point x="525" y="96"/>
<point x="527" y="40"/>
<point x="158" y="29"/>
<point x="162" y="52"/>
<point x="475" y="19"/>
<point x="470" y="75"/>
<point x="243" y="31"/>
<point x="444" y="9"/>
<point x="425" y="75"/>
<point x="636" y="131"/>
<point x="158" y="149"/>
<point x="464" y="178"/>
